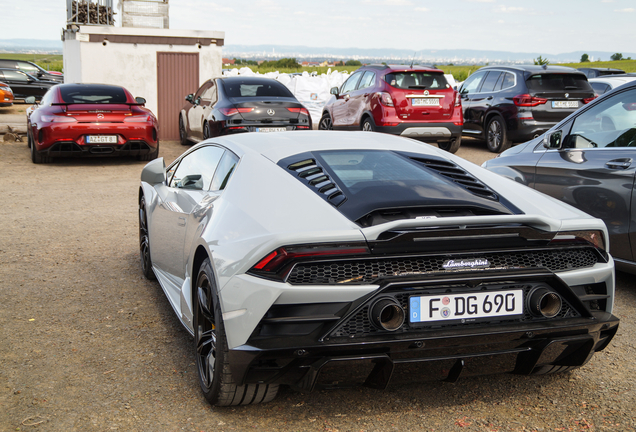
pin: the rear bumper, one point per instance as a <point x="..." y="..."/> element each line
<point x="72" y="149"/>
<point x="441" y="355"/>
<point x="434" y="132"/>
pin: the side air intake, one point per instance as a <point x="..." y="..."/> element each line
<point x="316" y="178"/>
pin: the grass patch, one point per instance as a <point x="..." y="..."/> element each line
<point x="52" y="62"/>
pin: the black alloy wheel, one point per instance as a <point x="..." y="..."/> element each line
<point x="325" y="123"/>
<point x="207" y="133"/>
<point x="183" y="137"/>
<point x="497" y="135"/>
<point x="144" y="242"/>
<point x="211" y="348"/>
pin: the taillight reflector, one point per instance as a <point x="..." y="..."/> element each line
<point x="233" y="111"/>
<point x="300" y="110"/>
<point x="528" y="101"/>
<point x="588" y="100"/>
<point x="385" y="99"/>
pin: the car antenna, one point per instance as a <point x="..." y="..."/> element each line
<point x="413" y="59"/>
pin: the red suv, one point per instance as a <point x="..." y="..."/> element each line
<point x="415" y="102"/>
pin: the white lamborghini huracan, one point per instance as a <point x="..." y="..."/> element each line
<point x="285" y="253"/>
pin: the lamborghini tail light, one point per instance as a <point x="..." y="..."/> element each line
<point x="277" y="264"/>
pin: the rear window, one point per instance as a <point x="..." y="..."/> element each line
<point x="417" y="80"/>
<point x="558" y="82"/>
<point x="93" y="94"/>
<point x="238" y="89"/>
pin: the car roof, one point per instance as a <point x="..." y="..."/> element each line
<point x="535" y="69"/>
<point x="246" y="79"/>
<point x="601" y="69"/>
<point x="401" y="68"/>
<point x="279" y="145"/>
<point x="614" y="80"/>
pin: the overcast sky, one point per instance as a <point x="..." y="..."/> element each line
<point x="541" y="26"/>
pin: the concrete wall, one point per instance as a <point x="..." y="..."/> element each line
<point x="95" y="54"/>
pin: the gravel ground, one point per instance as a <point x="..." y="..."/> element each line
<point x="88" y="344"/>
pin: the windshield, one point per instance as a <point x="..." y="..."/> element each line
<point x="417" y="80"/>
<point x="93" y="94"/>
<point x="236" y="89"/>
<point x="558" y="82"/>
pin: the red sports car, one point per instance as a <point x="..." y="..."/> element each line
<point x="91" y="120"/>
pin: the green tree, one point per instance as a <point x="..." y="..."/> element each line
<point x="617" y="56"/>
<point x="541" y="61"/>
<point x="585" y="58"/>
<point x="353" y="63"/>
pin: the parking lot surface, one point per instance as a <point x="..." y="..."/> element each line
<point x="88" y="344"/>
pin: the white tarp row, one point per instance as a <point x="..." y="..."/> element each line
<point x="310" y="90"/>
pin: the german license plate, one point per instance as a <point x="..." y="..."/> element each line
<point x="271" y="129"/>
<point x="565" y="104"/>
<point x="449" y="307"/>
<point x="425" y="101"/>
<point x="101" y="139"/>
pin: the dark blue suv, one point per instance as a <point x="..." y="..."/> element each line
<point x="506" y="104"/>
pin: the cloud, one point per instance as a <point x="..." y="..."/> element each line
<point x="481" y="1"/>
<point x="625" y="10"/>
<point x="389" y="2"/>
<point x="510" y="9"/>
<point x="422" y="9"/>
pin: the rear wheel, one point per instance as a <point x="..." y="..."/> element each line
<point x="451" y="146"/>
<point x="36" y="157"/>
<point x="207" y="132"/>
<point x="144" y="241"/>
<point x="367" y="125"/>
<point x="183" y="136"/>
<point x="550" y="369"/>
<point x="211" y="348"/>
<point x="325" y="122"/>
<point x="497" y="135"/>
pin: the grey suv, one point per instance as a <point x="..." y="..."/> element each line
<point x="506" y="104"/>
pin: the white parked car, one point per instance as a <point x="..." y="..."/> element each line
<point x="603" y="84"/>
<point x="291" y="254"/>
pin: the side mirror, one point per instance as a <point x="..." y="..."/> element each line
<point x="334" y="91"/>
<point x="154" y="172"/>
<point x="30" y="100"/>
<point x="189" y="97"/>
<point x="553" y="140"/>
<point x="140" y="100"/>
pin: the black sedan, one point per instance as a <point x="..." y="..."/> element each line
<point x="228" y="105"/>
<point x="24" y="84"/>
<point x="587" y="160"/>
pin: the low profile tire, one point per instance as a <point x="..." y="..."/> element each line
<point x="451" y="146"/>
<point x="325" y="123"/>
<point x="150" y="156"/>
<point x="497" y="135"/>
<point x="367" y="125"/>
<point x="211" y="349"/>
<point x="144" y="242"/>
<point x="207" y="132"/>
<point x="183" y="137"/>
<point x="37" y="157"/>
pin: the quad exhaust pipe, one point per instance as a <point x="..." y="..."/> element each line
<point x="387" y="314"/>
<point x="544" y="303"/>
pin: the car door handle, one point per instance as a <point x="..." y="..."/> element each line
<point x="619" y="164"/>
<point x="489" y="98"/>
<point x="182" y="221"/>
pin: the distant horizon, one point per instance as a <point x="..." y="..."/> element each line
<point x="302" y="52"/>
